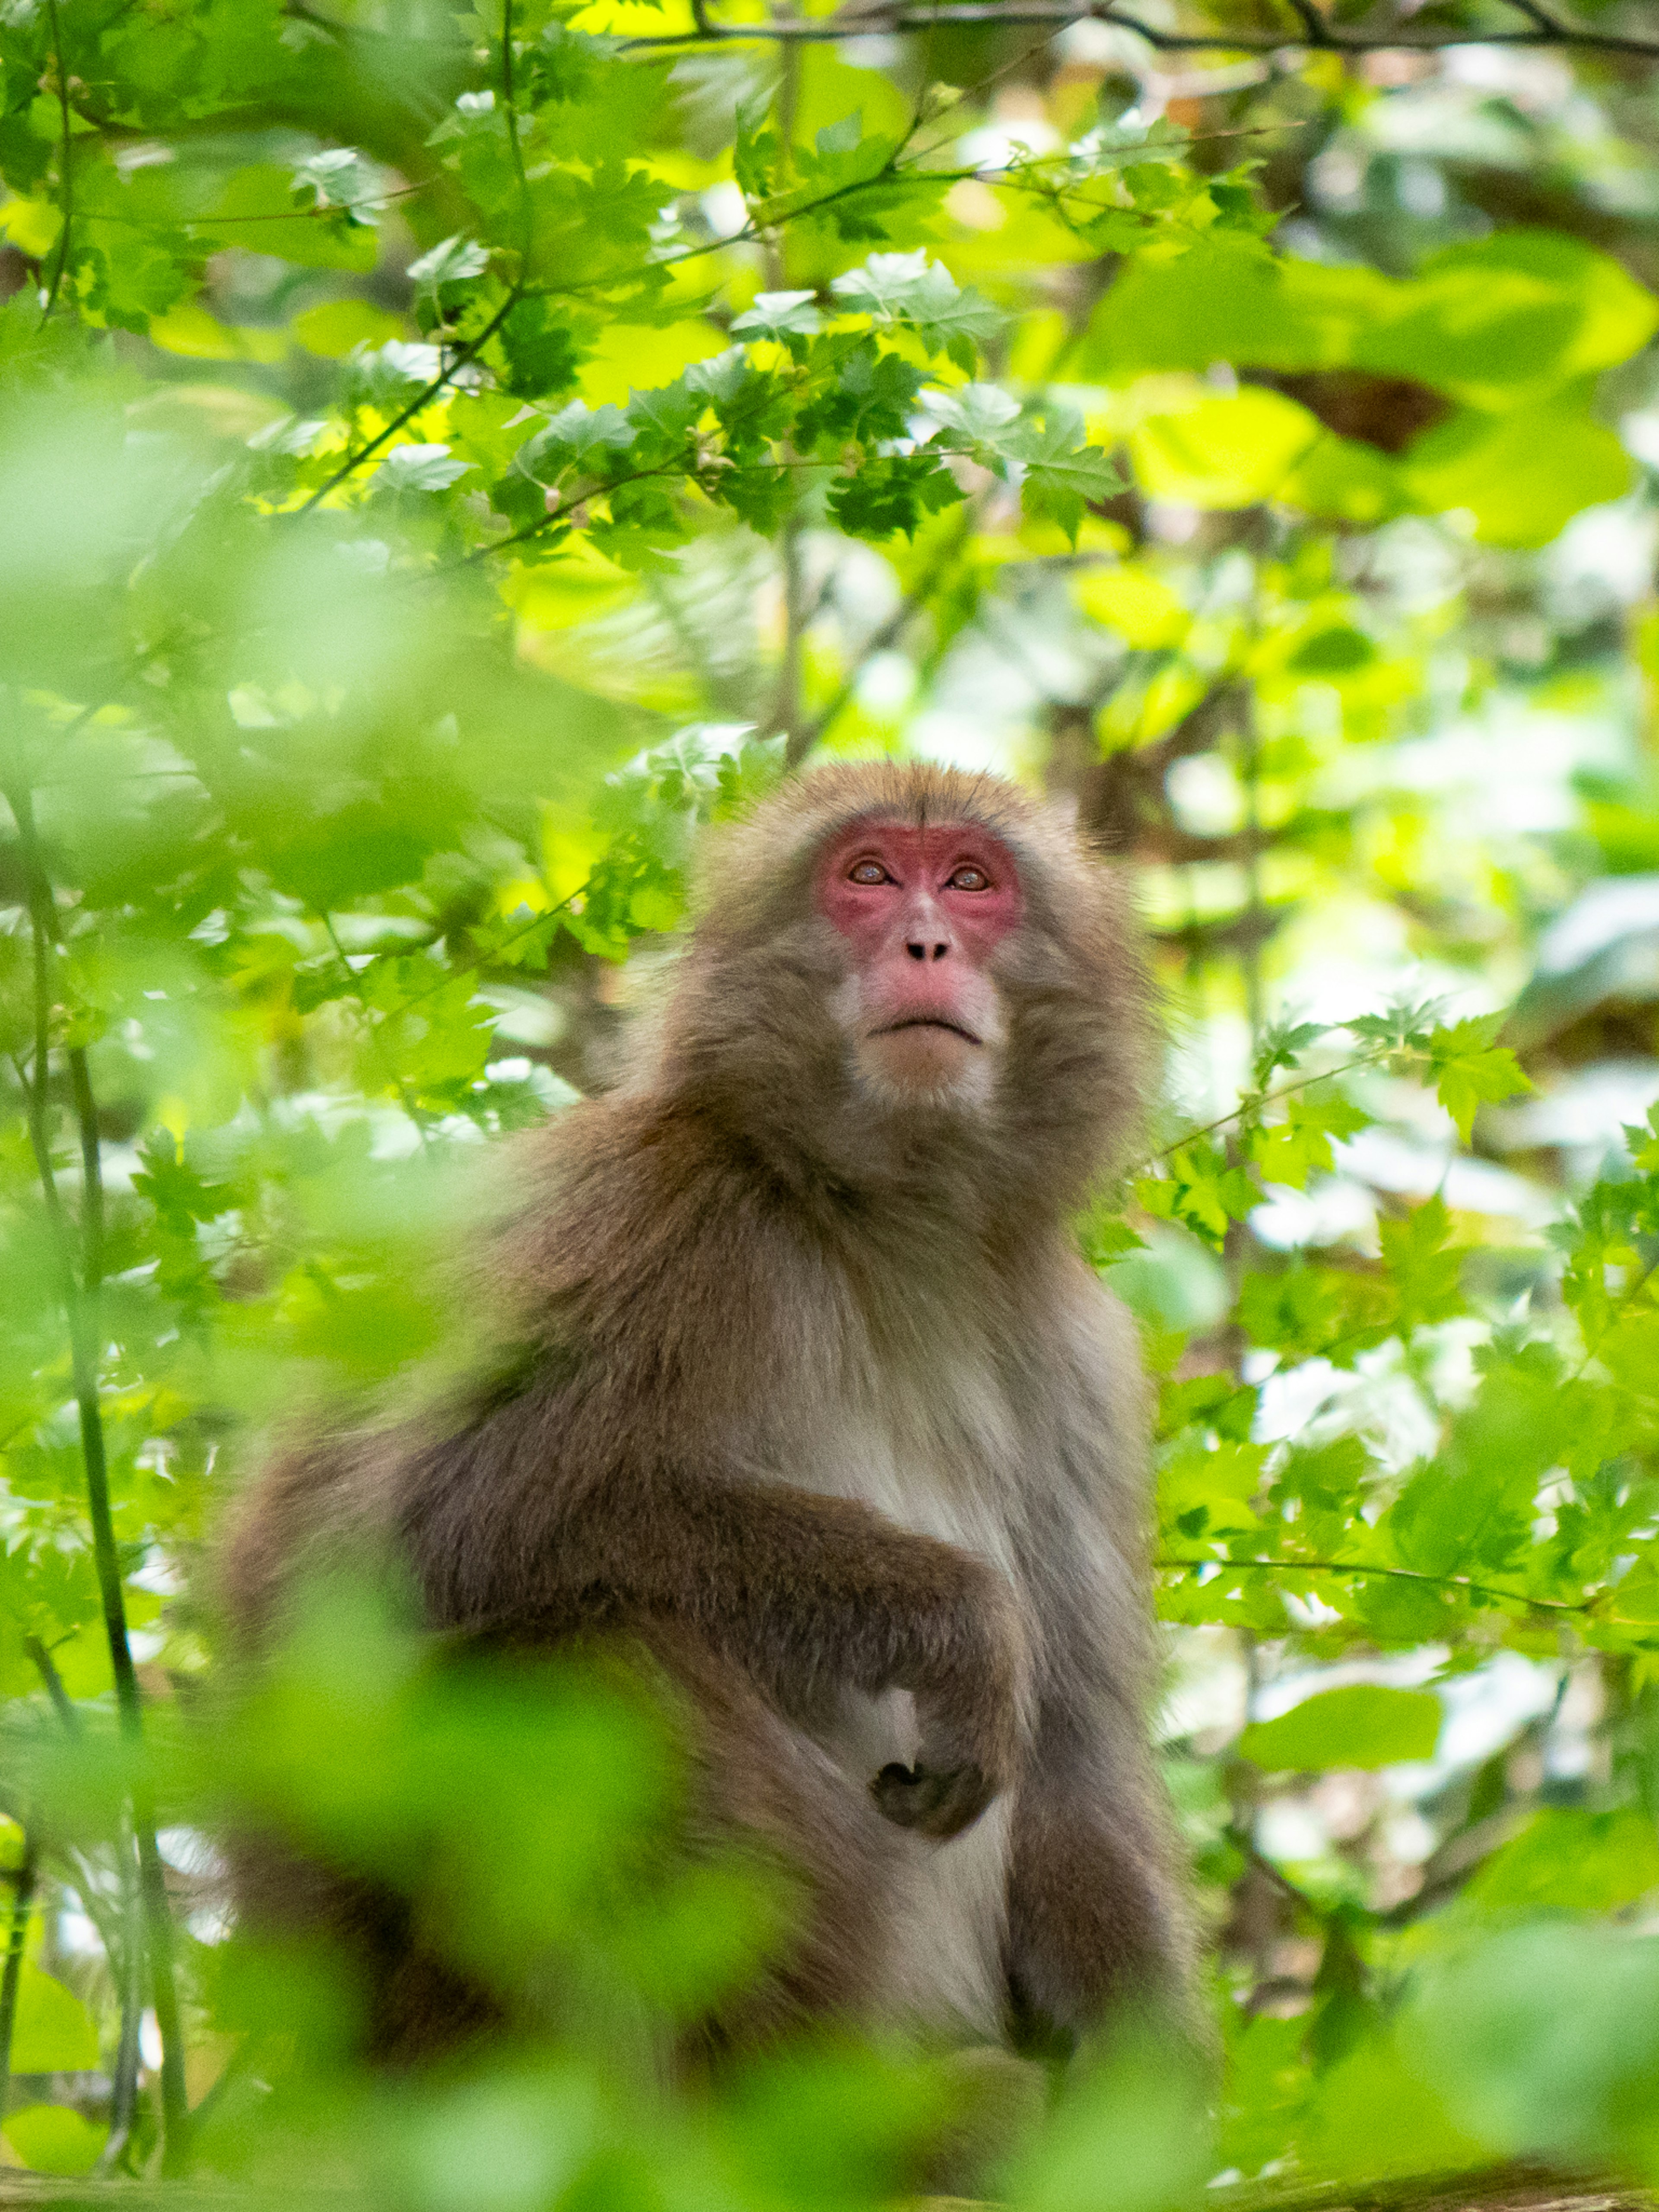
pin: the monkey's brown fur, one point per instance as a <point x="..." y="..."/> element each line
<point x="822" y="1406"/>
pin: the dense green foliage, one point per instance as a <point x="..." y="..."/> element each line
<point x="445" y="458"/>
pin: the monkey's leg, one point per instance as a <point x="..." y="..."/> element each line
<point x="1097" y="1917"/>
<point x="414" y="2003"/>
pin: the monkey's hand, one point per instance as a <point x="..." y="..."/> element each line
<point x="938" y="1806"/>
<point x="969" y="1707"/>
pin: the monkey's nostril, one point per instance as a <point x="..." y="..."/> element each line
<point x="917" y="951"/>
<point x="938" y="952"/>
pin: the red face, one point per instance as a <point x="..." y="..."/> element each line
<point x="923" y="911"/>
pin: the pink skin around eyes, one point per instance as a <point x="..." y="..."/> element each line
<point x="923" y="909"/>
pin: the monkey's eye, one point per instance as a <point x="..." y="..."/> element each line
<point x="968" y="878"/>
<point x="867" y="871"/>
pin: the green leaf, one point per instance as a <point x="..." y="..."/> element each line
<point x="1107" y="1237"/>
<point x="909" y="287"/>
<point x="755" y="157"/>
<point x="1305" y="1313"/>
<point x="578" y="435"/>
<point x="335" y="327"/>
<point x="895" y="494"/>
<point x="983" y="413"/>
<point x="1201" y="1190"/>
<point x="419" y="468"/>
<point x="452" y="261"/>
<point x="1060" y="477"/>
<point x="1424" y="1270"/>
<point x="1292" y="1148"/>
<point x="1223" y="449"/>
<point x="780" y="314"/>
<point x="539" y="348"/>
<point x="1282" y="1045"/>
<point x="1204" y="1487"/>
<point x="1571" y="1859"/>
<point x="1469" y="1068"/>
<point x="1521" y="474"/>
<point x="1363" y="1725"/>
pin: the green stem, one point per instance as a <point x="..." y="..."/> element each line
<point x="79" y="1291"/>
<point x="22" y="1906"/>
<point x="1372" y="1058"/>
<point x="1400" y="1574"/>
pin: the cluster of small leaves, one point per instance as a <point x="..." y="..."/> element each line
<point x="1538" y="1509"/>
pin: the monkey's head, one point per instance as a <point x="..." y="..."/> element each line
<point x="901" y="973"/>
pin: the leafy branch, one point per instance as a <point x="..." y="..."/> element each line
<point x="473" y="346"/>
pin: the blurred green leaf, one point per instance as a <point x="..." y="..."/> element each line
<point x="1363" y="1725"/>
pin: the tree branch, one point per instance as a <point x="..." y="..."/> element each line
<point x="904" y="16"/>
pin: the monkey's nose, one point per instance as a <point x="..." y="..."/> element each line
<point x="920" y="951"/>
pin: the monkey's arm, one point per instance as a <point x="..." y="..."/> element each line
<point x="806" y="1593"/>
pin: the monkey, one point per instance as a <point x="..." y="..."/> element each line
<point x="821" y="1408"/>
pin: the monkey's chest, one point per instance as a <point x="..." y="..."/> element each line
<point x="945" y="1464"/>
<point x="943" y="1959"/>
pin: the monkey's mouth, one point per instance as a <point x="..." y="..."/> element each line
<point x="929" y="1022"/>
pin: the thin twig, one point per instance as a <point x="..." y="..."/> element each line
<point x="802" y="742"/>
<point x="1259" y="1104"/>
<point x="62" y="1704"/>
<point x="65" y="157"/>
<point x="1318" y="30"/>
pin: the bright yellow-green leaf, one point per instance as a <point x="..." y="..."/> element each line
<point x="1226" y="450"/>
<point x="1522" y="474"/>
<point x="1289" y="1150"/>
<point x="336" y="325"/>
<point x="190" y="329"/>
<point x="54" y="2034"/>
<point x="32" y="226"/>
<point x="1133" y="601"/>
<point x="52" y="2139"/>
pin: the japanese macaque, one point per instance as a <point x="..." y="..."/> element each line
<point x="822" y="1410"/>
